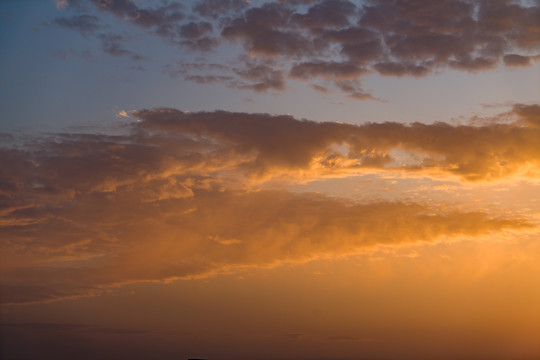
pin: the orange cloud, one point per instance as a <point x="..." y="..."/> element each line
<point x="93" y="242"/>
<point x="265" y="144"/>
<point x="82" y="213"/>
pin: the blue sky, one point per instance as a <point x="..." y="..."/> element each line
<point x="53" y="77"/>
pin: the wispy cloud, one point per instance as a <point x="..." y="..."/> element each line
<point x="112" y="45"/>
<point x="85" y="24"/>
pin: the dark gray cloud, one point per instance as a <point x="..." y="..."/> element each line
<point x="264" y="31"/>
<point x="112" y="44"/>
<point x="193" y="30"/>
<point x="85" y="24"/>
<point x="259" y="76"/>
<point x="393" y="38"/>
<point x="163" y="20"/>
<point x="198" y="36"/>
<point x="354" y="90"/>
<point x="473" y="64"/>
<point x="155" y="18"/>
<point x="217" y="8"/>
<point x="399" y="69"/>
<point x="516" y="60"/>
<point x="341" y="40"/>
<point x="309" y="70"/>
<point x="326" y="14"/>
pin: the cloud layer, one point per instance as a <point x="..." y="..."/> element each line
<point x="271" y="145"/>
<point x="181" y="195"/>
<point x="327" y="42"/>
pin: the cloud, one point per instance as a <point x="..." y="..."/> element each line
<point x="122" y="114"/>
<point x="158" y="19"/>
<point x="61" y="4"/>
<point x="402" y="69"/>
<point x="356" y="44"/>
<point x="64" y="54"/>
<point x="196" y="35"/>
<point x="85" y="24"/>
<point x="326" y="14"/>
<point x="530" y="114"/>
<point x="207" y="79"/>
<point x="262" y="39"/>
<point x="354" y="90"/>
<point x="162" y="240"/>
<point x="516" y="60"/>
<point x="162" y="20"/>
<point x="217" y="8"/>
<point x="342" y="40"/>
<point x="200" y="68"/>
<point x="112" y="45"/>
<point x="6" y="137"/>
<point x="179" y="196"/>
<point x="337" y="70"/>
<point x="193" y="31"/>
<point x="471" y="152"/>
<point x="394" y="38"/>
<point x="259" y="76"/>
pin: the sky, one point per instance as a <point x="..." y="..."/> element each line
<point x="265" y="180"/>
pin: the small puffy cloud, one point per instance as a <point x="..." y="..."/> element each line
<point x="122" y="114"/>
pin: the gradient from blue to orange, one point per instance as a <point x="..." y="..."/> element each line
<point x="342" y="180"/>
